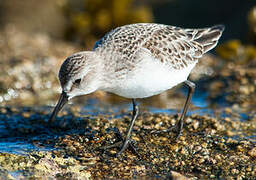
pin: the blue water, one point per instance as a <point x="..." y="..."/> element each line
<point x="18" y="144"/>
<point x="19" y="147"/>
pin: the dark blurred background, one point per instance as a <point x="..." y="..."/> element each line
<point x="201" y="13"/>
<point x="86" y="20"/>
<point x="36" y="35"/>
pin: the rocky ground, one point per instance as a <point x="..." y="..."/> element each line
<point x="208" y="148"/>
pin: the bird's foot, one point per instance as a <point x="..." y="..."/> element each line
<point x="122" y="144"/>
<point x="174" y="129"/>
<point x="63" y="124"/>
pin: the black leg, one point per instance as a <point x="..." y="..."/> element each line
<point x="179" y="125"/>
<point x="125" y="143"/>
<point x="135" y="113"/>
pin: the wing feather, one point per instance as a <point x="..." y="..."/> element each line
<point x="174" y="46"/>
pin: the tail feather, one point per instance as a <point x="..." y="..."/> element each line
<point x="208" y="37"/>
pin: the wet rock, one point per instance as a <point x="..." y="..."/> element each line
<point x="78" y="150"/>
<point x="25" y="75"/>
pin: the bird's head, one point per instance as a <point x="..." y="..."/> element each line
<point x="78" y="75"/>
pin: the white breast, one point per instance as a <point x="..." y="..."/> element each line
<point x="150" y="77"/>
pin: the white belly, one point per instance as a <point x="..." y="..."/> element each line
<point x="151" y="77"/>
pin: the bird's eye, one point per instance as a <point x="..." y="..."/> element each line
<point x="77" y="81"/>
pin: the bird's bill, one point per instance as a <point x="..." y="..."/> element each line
<point x="62" y="101"/>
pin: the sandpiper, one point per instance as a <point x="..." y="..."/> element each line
<point x="137" y="61"/>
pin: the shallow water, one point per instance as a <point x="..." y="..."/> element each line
<point x="25" y="133"/>
<point x="17" y="132"/>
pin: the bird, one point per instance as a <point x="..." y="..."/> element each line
<point x="137" y="61"/>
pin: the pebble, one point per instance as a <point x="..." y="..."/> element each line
<point x="252" y="152"/>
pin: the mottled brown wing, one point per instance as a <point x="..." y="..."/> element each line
<point x="180" y="47"/>
<point x="173" y="45"/>
<point x="120" y="45"/>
